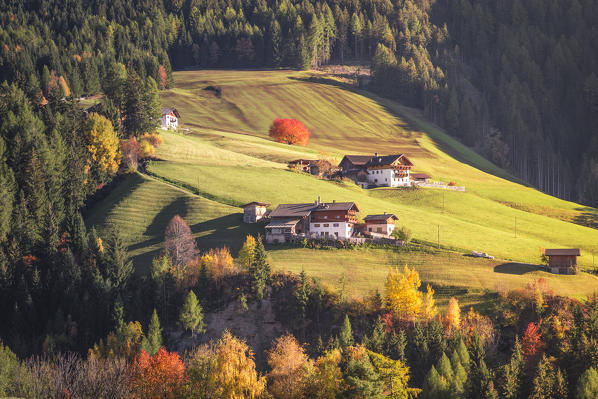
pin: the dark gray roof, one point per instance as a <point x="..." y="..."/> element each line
<point x="282" y="223"/>
<point x="292" y="210"/>
<point x="358" y="160"/>
<point x="302" y="210"/>
<point x="420" y="175"/>
<point x="383" y="216"/>
<point x="255" y="203"/>
<point x="564" y="251"/>
<point x="385" y="160"/>
<point x="169" y="110"/>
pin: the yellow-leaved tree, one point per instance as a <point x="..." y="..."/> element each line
<point x="226" y="371"/>
<point x="246" y="253"/>
<point x="430" y="309"/>
<point x="453" y="314"/>
<point x="402" y="294"/>
<point x="102" y="142"/>
<point x="290" y="368"/>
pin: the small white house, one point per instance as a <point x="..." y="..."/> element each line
<point x="254" y="211"/>
<point x="170" y="118"/>
<point x="380" y="225"/>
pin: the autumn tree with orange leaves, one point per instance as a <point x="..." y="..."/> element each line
<point x="531" y="343"/>
<point x="157" y="377"/>
<point x="289" y="131"/>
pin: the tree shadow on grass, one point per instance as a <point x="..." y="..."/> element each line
<point x="417" y="125"/>
<point x="588" y="217"/>
<point x="516" y="268"/>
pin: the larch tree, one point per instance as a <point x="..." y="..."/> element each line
<point x="102" y="143"/>
<point x="453" y="314"/>
<point x="289" y="368"/>
<point x="395" y="376"/>
<point x="246" y="253"/>
<point x="179" y="242"/>
<point x="430" y="310"/>
<point x="327" y="378"/>
<point x="153" y="342"/>
<point x="402" y="294"/>
<point x="191" y="317"/>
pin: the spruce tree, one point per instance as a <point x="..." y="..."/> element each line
<point x="587" y="387"/>
<point x="479" y="374"/>
<point x="346" y="334"/>
<point x="192" y="315"/>
<point x="395" y="346"/>
<point x="376" y="341"/>
<point x="362" y="380"/>
<point x="259" y="272"/>
<point x="434" y="385"/>
<point x="153" y="342"/>
<point x="513" y="373"/>
<point x="119" y="266"/>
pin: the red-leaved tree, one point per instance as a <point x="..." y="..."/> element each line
<point x="531" y="343"/>
<point x="160" y="376"/>
<point x="289" y="131"/>
<point x="179" y="242"/>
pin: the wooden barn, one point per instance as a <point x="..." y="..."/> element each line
<point x="254" y="211"/>
<point x="562" y="261"/>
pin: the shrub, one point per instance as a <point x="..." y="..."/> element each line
<point x="403" y="234"/>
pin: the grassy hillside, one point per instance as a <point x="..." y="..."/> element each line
<point x="227" y="158"/>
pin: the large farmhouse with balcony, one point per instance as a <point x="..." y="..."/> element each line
<point x="334" y="220"/>
<point x="377" y="170"/>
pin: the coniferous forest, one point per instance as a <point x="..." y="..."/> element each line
<point x="515" y="79"/>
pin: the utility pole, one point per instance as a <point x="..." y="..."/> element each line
<point x="515" y="226"/>
<point x="443" y="201"/>
<point x="438" y="236"/>
<point x="197" y="185"/>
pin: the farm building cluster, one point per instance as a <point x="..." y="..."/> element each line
<point x="325" y="220"/>
<point x="368" y="171"/>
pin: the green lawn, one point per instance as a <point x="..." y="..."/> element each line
<point x="228" y="159"/>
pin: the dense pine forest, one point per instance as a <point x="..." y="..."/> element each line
<point x="515" y="79"/>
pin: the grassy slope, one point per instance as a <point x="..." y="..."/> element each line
<point x="227" y="158"/>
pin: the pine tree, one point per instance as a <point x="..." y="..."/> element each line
<point x="192" y="315"/>
<point x="346" y="334"/>
<point x="119" y="266"/>
<point x="513" y="373"/>
<point x="362" y="380"/>
<point x="259" y="272"/>
<point x="153" y="342"/>
<point x="479" y="374"/>
<point x="587" y="387"/>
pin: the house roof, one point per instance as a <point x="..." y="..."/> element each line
<point x="357" y="160"/>
<point x="302" y="210"/>
<point x="387" y="160"/>
<point x="563" y="251"/>
<point x="166" y="111"/>
<point x="303" y="161"/>
<point x="255" y="203"/>
<point x="383" y="216"/>
<point x="420" y="175"/>
<point x="282" y="223"/>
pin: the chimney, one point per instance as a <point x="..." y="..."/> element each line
<point x="319" y="202"/>
<point x="334" y="201"/>
<point x="385" y="213"/>
<point x="375" y="154"/>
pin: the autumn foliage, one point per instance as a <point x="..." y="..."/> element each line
<point x="531" y="343"/>
<point x="289" y="131"/>
<point x="160" y="376"/>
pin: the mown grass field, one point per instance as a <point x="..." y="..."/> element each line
<point x="228" y="160"/>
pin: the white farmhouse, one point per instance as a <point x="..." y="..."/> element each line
<point x="389" y="170"/>
<point x="170" y="118"/>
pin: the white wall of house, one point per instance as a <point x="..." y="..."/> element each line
<point x="252" y="214"/>
<point x="169" y="122"/>
<point x="387" y="177"/>
<point x="332" y="229"/>
<point x="382" y="228"/>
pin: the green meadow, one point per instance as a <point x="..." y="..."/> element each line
<point x="226" y="160"/>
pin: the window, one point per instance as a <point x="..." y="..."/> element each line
<point x="335" y="225"/>
<point x="370" y="229"/>
<point x="317" y="225"/>
<point x="378" y="229"/>
<point x="337" y="216"/>
<point x="326" y="225"/>
<point x="325" y="217"/>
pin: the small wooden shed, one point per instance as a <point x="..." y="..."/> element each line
<point x="254" y="211"/>
<point x="562" y="261"/>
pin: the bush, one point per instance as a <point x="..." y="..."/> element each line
<point x="402" y="234"/>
